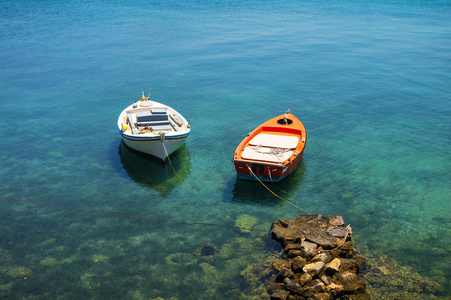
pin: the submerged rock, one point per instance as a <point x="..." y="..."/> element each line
<point x="280" y="295"/>
<point x="246" y="221"/>
<point x="208" y="249"/>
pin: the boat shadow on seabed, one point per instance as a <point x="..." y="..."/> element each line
<point x="253" y="192"/>
<point x="152" y="173"/>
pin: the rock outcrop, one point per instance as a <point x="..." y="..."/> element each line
<point x="319" y="260"/>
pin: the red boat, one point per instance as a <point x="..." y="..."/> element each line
<point x="272" y="150"/>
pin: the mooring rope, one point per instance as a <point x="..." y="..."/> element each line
<point x="348" y="233"/>
<point x="250" y="170"/>
<point x="131" y="216"/>
<point x="208" y="203"/>
<point x="169" y="160"/>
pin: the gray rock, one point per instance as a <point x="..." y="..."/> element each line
<point x="312" y="228"/>
<point x="292" y="246"/>
<point x="295" y="253"/>
<point x="308" y="249"/>
<point x="313" y="288"/>
<point x="326" y="279"/>
<point x="292" y="285"/>
<point x="314" y="268"/>
<point x="278" y="265"/>
<point x="337" y="231"/>
<point x="350" y="265"/>
<point x="351" y="282"/>
<point x="310" y="218"/>
<point x="284" y="273"/>
<point x="297" y="263"/>
<point x="336" y="221"/>
<point x="306" y="278"/>
<point x="324" y="257"/>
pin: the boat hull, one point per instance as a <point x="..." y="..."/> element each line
<point x="154" y="146"/>
<point x="265" y="172"/>
<point x="271" y="151"/>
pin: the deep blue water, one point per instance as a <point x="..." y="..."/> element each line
<point x="371" y="81"/>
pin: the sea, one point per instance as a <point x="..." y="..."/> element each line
<point x="84" y="217"/>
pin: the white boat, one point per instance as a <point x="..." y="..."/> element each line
<point x="153" y="128"/>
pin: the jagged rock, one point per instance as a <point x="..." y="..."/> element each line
<point x="336" y="290"/>
<point x="326" y="279"/>
<point x="310" y="218"/>
<point x="285" y="235"/>
<point x="314" y="268"/>
<point x="304" y="227"/>
<point x="351" y="282"/>
<point x="333" y="266"/>
<point x="336" y="221"/>
<point x="324" y="257"/>
<point x="345" y="250"/>
<point x="292" y="246"/>
<point x="294" y="253"/>
<point x="349" y="265"/>
<point x="297" y="263"/>
<point x="280" y="295"/>
<point x="292" y="285"/>
<point x="280" y="264"/>
<point x="318" y="265"/>
<point x="337" y="231"/>
<point x="275" y="286"/>
<point x="313" y="288"/>
<point x="284" y="273"/>
<point x="306" y="278"/>
<point x="308" y="249"/>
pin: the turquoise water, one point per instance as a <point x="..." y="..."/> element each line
<point x="371" y="81"/>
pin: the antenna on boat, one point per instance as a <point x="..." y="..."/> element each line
<point x="143" y="98"/>
<point x="285" y="118"/>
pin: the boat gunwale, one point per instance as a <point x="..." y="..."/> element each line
<point x="271" y="126"/>
<point x="262" y="162"/>
<point x="172" y="134"/>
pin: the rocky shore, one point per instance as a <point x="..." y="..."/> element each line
<point x="320" y="262"/>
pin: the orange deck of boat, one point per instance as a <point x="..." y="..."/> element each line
<point x="272" y="127"/>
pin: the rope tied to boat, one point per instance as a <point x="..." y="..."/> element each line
<point x="291" y="203"/>
<point x="228" y="217"/>
<point x="273" y="151"/>
<point x="348" y="234"/>
<point x="173" y="170"/>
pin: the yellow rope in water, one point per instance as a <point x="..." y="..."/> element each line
<point x="250" y="170"/>
<point x="169" y="160"/>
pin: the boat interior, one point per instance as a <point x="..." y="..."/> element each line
<point x="148" y="120"/>
<point x="271" y="147"/>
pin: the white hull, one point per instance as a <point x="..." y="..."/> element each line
<point x="155" y="147"/>
<point x="146" y="125"/>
